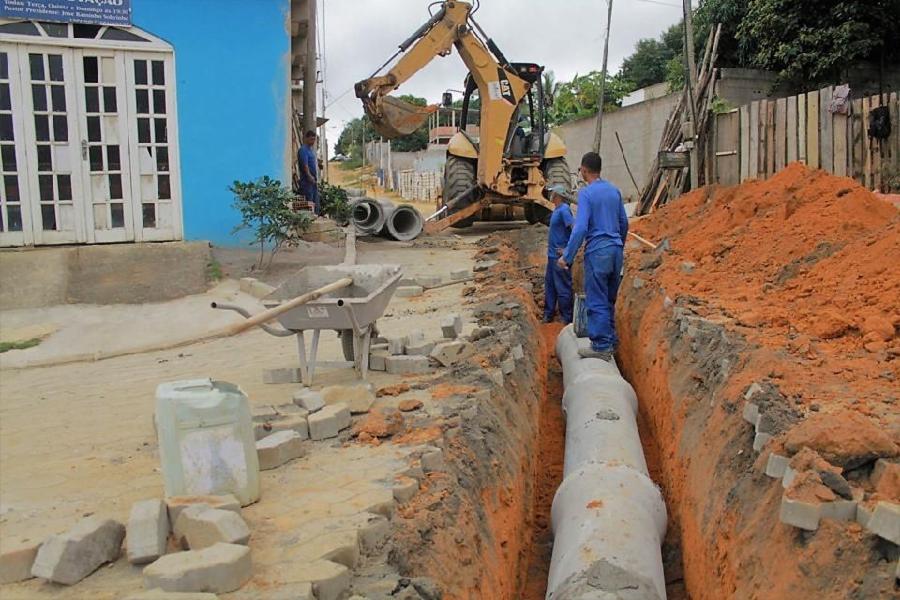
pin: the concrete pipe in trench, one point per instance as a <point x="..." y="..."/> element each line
<point x="609" y="518"/>
<point x="367" y="215"/>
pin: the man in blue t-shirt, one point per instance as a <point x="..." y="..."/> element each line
<point x="308" y="166"/>
<point x="557" y="280"/>
<point x="602" y="225"/>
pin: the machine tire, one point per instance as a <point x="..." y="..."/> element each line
<point x="459" y="175"/>
<point x="556" y="171"/>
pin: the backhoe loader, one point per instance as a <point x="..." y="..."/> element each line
<point x="513" y="158"/>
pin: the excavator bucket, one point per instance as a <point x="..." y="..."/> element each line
<point x="398" y="118"/>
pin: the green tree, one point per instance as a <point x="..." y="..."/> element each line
<point x="647" y="65"/>
<point x="350" y="141"/>
<point x="578" y="98"/>
<point x="815" y="41"/>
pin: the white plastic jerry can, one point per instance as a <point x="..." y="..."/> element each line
<point x="206" y="441"/>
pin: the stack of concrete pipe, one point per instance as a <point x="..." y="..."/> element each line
<point x="384" y="218"/>
<point x="609" y="518"/>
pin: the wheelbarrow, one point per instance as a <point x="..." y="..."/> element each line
<point x="351" y="310"/>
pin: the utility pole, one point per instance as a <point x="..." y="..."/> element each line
<point x="310" y="74"/>
<point x="690" y="86"/>
<point x="599" y="133"/>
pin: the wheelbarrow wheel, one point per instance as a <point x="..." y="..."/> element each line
<point x="347" y="344"/>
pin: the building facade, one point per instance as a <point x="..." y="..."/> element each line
<point x="130" y="126"/>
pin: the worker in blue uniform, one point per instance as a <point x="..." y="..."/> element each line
<point x="557" y="280"/>
<point x="601" y="225"/>
<point x="308" y="167"/>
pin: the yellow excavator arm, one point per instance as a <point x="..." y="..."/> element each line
<point x="499" y="87"/>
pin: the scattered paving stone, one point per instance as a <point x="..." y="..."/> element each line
<point x="776" y="465"/>
<point x="517" y="352"/>
<point x="404" y="488"/>
<point x="839" y="510"/>
<point x="176" y="504"/>
<point x="72" y="556"/>
<point x="885" y="476"/>
<point x="432" y="460"/>
<point x="147" y="531"/>
<point x="377" y="360"/>
<point x="330" y="580"/>
<point x="158" y="594"/>
<point x="221" y="568"/>
<point x="409" y="291"/>
<point x="427" y="281"/>
<point x="508" y="366"/>
<point x="885" y="521"/>
<point x="451" y="353"/>
<point x="358" y="398"/>
<point x="460" y="274"/>
<point x="279" y="376"/>
<point x="760" y="440"/>
<point x="484" y="265"/>
<point x="205" y="528"/>
<point x="407" y="365"/>
<point x="751" y="413"/>
<point x="329" y="421"/>
<point x="309" y="400"/>
<point x="396" y="346"/>
<point x="451" y="326"/>
<point x="414" y="337"/>
<point x="797" y="513"/>
<point x="278" y="448"/>
<point x="289" y="422"/>
<point x="16" y="559"/>
<point x="423" y="349"/>
<point x="410" y="405"/>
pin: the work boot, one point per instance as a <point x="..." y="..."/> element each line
<point x="606" y="355"/>
<point x="547" y="319"/>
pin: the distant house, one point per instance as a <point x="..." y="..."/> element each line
<point x="127" y="120"/>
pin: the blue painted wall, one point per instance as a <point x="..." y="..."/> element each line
<point x="231" y="60"/>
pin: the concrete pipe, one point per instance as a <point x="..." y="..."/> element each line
<point x="609" y="518"/>
<point x="405" y="223"/>
<point x="367" y="216"/>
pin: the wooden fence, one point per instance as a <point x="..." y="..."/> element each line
<point x="757" y="140"/>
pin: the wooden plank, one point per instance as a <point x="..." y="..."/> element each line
<point x="895" y="133"/>
<point x="857" y="158"/>
<point x="744" y="156"/>
<point x="812" y="130"/>
<point x="753" y="153"/>
<point x="877" y="148"/>
<point x="770" y="138"/>
<point x="840" y="144"/>
<point x="792" y="133"/>
<point x="826" y="133"/>
<point x="780" y="133"/>
<point x="801" y="128"/>
<point x="868" y="181"/>
<point x="727" y="148"/>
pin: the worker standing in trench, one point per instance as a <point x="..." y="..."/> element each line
<point x="602" y="225"/>
<point x="558" y="280"/>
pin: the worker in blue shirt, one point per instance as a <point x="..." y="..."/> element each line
<point x="557" y="280"/>
<point x="602" y="225"/>
<point x="308" y="168"/>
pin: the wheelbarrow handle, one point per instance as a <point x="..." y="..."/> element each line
<point x="246" y="314"/>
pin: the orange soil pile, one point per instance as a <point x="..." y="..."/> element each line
<point x="804" y="262"/>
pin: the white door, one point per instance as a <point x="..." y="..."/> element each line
<point x="104" y="127"/>
<point x="52" y="145"/>
<point x="154" y="145"/>
<point x="15" y="218"/>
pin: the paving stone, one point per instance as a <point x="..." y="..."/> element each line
<point x="288" y="422"/>
<point x="432" y="460"/>
<point x="285" y="375"/>
<point x="221" y="568"/>
<point x="754" y="389"/>
<point x="885" y="521"/>
<point x="254" y="287"/>
<point x="176" y="504"/>
<point x="147" y="532"/>
<point x="329" y="421"/>
<point x="72" y="556"/>
<point x="396" y="346"/>
<point x="751" y="413"/>
<point x="451" y="326"/>
<point x="422" y="349"/>
<point x="863" y="514"/>
<point x="496" y="375"/>
<point x="416" y="336"/>
<point x="377" y="360"/>
<point x="460" y="274"/>
<point x="158" y="594"/>
<point x="776" y="465"/>
<point x="760" y="440"/>
<point x="404" y="488"/>
<point x="409" y="291"/>
<point x="789" y="475"/>
<point x="358" y="398"/>
<point x="484" y="265"/>
<point x="427" y="281"/>
<point x="374" y="532"/>
<point x="407" y="365"/>
<point x="205" y="528"/>
<point x="839" y="510"/>
<point x="16" y="559"/>
<point x="309" y="400"/>
<point x="518" y="353"/>
<point x="451" y="353"/>
<point x="278" y="448"/>
<point x="804" y="515"/>
<point x="341" y="547"/>
<point x="508" y="366"/>
<point x="330" y="580"/>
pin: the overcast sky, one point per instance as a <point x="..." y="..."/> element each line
<point x="566" y="36"/>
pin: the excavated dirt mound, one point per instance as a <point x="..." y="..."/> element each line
<point x="791" y="284"/>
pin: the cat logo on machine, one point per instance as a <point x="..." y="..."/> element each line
<point x="506" y="91"/>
